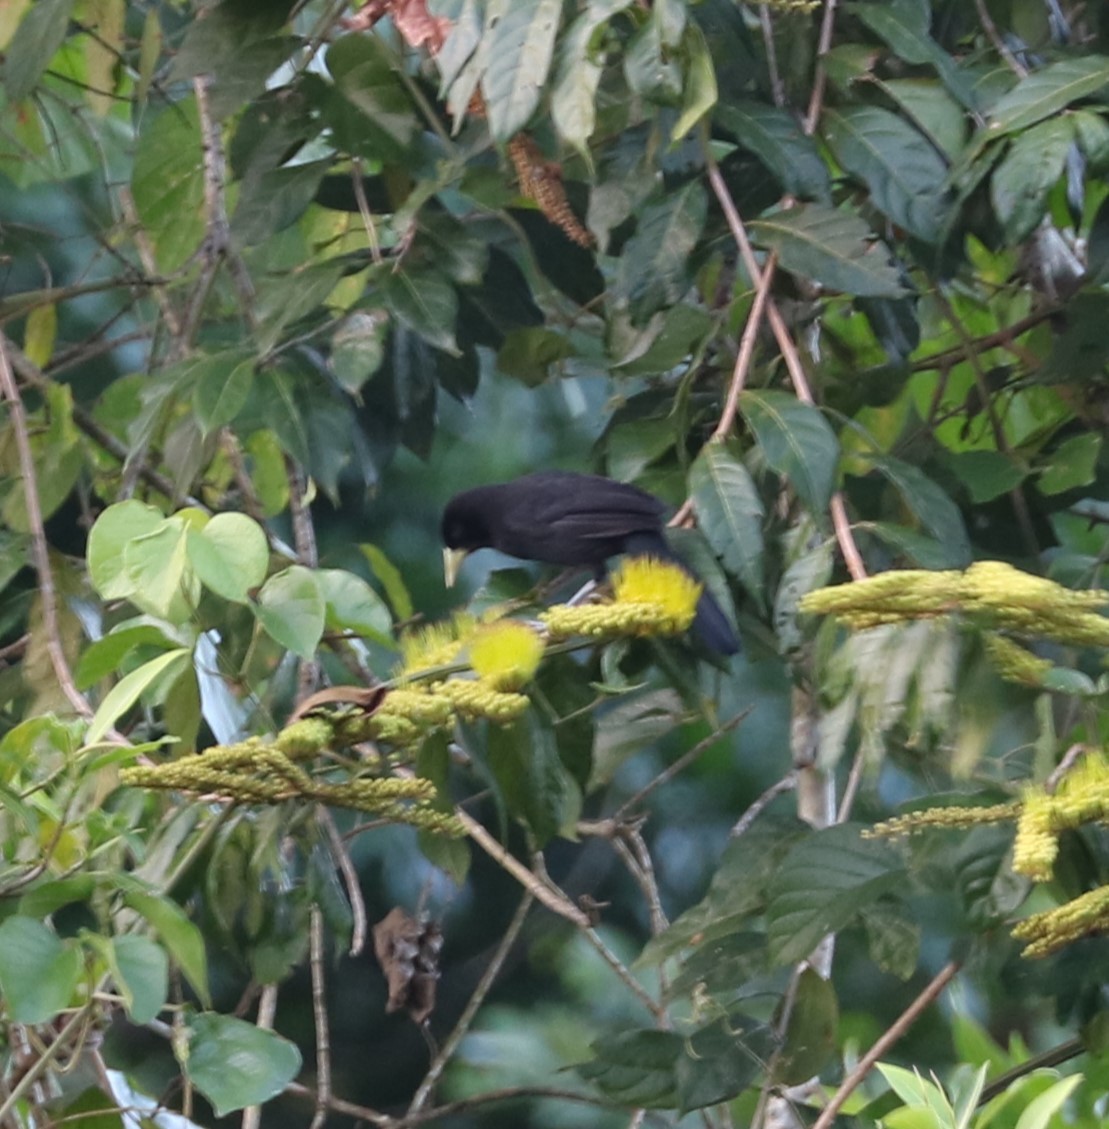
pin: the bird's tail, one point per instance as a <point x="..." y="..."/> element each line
<point x="710" y="625"/>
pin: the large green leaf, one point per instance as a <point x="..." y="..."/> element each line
<point x="904" y="172"/>
<point x="822" y="884"/>
<point x="1020" y="184"/>
<point x="1046" y="92"/>
<point x="235" y="1064"/>
<point x="779" y="142"/>
<point x="112" y="532"/>
<point x="797" y="441"/>
<point x="931" y="505"/>
<point x="291" y="608"/>
<point x="832" y="247"/>
<point x="158" y="672"/>
<point x="179" y="935"/>
<point x="730" y="513"/>
<point x="229" y="554"/>
<point x="222" y="387"/>
<point x="652" y="272"/>
<point x="521" y="37"/>
<point x="636" y="1068"/>
<point x="141" y="972"/>
<point x="352" y="605"/>
<point x="38" y="972"/>
<point x="699" y="90"/>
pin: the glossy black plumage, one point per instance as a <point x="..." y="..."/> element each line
<point x="563" y="518"/>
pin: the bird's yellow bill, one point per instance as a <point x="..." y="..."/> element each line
<point x="452" y="562"/>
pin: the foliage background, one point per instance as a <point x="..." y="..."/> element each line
<point x="830" y="280"/>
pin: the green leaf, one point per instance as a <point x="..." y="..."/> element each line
<point x="779" y="142"/>
<point x="38" y="972"/>
<point x="636" y="1068"/>
<point x="578" y="73"/>
<point x="721" y="1060"/>
<point x="179" y="935"/>
<point x="43" y="899"/>
<point x="149" y="677"/>
<point x="810" y="1038"/>
<point x="822" y="884"/>
<point x="391" y="580"/>
<point x="934" y="509"/>
<point x="730" y="514"/>
<point x="106" y="655"/>
<point x="1045" y="92"/>
<point x="425" y="301"/>
<point x="834" y="248"/>
<point x="222" y="388"/>
<point x="652" y="271"/>
<point x="521" y="38"/>
<point x="112" y="531"/>
<point x="142" y="976"/>
<point x="1039" y="1112"/>
<point x="230" y="555"/>
<point x="358" y="348"/>
<point x="905" y="174"/>
<point x="157" y="568"/>
<point x="167" y="183"/>
<point x="1021" y="183"/>
<point x="892" y="940"/>
<point x="987" y="474"/>
<point x="235" y="1064"/>
<point x="699" y="91"/>
<point x="1072" y="464"/>
<point x="352" y="605"/>
<point x="291" y="608"/>
<point x="797" y="441"/>
<point x="37" y="38"/>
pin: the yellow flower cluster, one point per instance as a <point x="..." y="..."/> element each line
<point x="505" y="654"/>
<point x="437" y="644"/>
<point x="650" y="597"/>
<point x="928" y="818"/>
<point x="1013" y="662"/>
<point x="1037" y="841"/>
<point x="993" y="593"/>
<point x="477" y="698"/>
<point x="255" y="772"/>
<point x="1048" y="932"/>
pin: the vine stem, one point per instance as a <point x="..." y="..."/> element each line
<point x="48" y="594"/>
<point x="881" y="1045"/>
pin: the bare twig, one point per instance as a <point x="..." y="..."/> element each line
<point x="343" y="861"/>
<point x="894" y="1032"/>
<point x="820" y="80"/>
<point x="778" y="788"/>
<point x="364" y="209"/>
<point x="450" y="1045"/>
<point x="39" y="549"/>
<point x="680" y="765"/>
<point x="267" y="1011"/>
<point x="994" y="36"/>
<point x="74" y="1024"/>
<point x="554" y="900"/>
<point x="1070" y="758"/>
<point x="319" y="1015"/>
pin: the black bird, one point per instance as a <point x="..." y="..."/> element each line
<point x="563" y="518"/>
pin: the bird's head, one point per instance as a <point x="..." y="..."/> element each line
<point x="465" y="527"/>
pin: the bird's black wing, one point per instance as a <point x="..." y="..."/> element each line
<point x="580" y="506"/>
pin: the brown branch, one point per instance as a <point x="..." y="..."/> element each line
<point x="755" y="809"/>
<point x="319" y="1015"/>
<point x="346" y="868"/>
<point x="999" y="338"/>
<point x="39" y="549"/>
<point x="820" y="81"/>
<point x="898" y="1028"/>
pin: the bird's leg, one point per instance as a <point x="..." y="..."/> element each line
<point x="582" y="593"/>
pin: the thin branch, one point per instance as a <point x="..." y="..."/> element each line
<point x="345" y="864"/>
<point x="1056" y="1056"/>
<point x="777" y="87"/>
<point x="554" y="900"/>
<point x="75" y="1022"/>
<point x="999" y="338"/>
<point x="820" y="80"/>
<point x="994" y="36"/>
<point x="894" y="1032"/>
<point x="319" y="1015"/>
<point x="680" y="765"/>
<point x="779" y="788"/>
<point x="451" y="1044"/>
<point x="39" y="548"/>
<point x="267" y="1011"/>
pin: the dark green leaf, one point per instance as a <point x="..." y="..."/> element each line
<point x="905" y="174"/>
<point x="811" y="1035"/>
<point x="797" y="441"/>
<point x="636" y="1068"/>
<point x="930" y="505"/>
<point x="1020" y="184"/>
<point x="277" y="199"/>
<point x="834" y="248"/>
<point x="1047" y="91"/>
<point x="38" y="973"/>
<point x="729" y="514"/>
<point x="424" y="301"/>
<point x="235" y="1064"/>
<point x="779" y="142"/>
<point x="822" y="884"/>
<point x="892" y="938"/>
<point x="42" y="900"/>
<point x="652" y="272"/>
<point x="1072" y="464"/>
<point x="987" y="474"/>
<point x="142" y="976"/>
<point x="180" y="936"/>
<point x="221" y="389"/>
<point x="721" y="1060"/>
